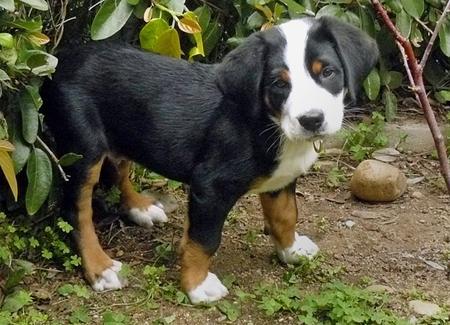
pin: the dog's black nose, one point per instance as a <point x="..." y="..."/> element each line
<point x="312" y="120"/>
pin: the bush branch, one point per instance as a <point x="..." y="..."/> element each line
<point x="429" y="47"/>
<point x="415" y="70"/>
<point x="54" y="158"/>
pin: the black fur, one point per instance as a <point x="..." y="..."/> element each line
<point x="357" y="52"/>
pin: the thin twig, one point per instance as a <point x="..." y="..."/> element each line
<point x="429" y="47"/>
<point x="55" y="160"/>
<point x="408" y="70"/>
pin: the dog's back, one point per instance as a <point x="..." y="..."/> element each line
<point x="105" y="94"/>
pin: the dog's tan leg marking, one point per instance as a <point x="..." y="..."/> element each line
<point x="142" y="209"/>
<point x="96" y="263"/>
<point x="129" y="197"/>
<point x="280" y="213"/>
<point x="201" y="285"/>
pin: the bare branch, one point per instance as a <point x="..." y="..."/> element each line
<point x="429" y="47"/>
<point x="55" y="160"/>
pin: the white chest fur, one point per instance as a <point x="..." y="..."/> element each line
<point x="294" y="160"/>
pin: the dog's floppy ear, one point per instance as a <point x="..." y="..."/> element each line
<point x="357" y="50"/>
<point x="240" y="73"/>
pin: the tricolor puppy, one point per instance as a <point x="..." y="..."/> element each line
<point x="244" y="125"/>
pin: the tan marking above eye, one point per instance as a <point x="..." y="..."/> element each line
<point x="317" y="67"/>
<point x="285" y="75"/>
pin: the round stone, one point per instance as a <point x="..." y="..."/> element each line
<point x="376" y="181"/>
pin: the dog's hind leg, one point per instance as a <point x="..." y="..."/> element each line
<point x="280" y="213"/>
<point x="100" y="270"/>
<point x="142" y="209"/>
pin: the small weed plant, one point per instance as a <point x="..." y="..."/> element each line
<point x="367" y="137"/>
<point x="336" y="303"/>
<point x="335" y="178"/>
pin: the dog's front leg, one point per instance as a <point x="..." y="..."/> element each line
<point x="210" y="200"/>
<point x="280" y="214"/>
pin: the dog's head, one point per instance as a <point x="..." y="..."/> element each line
<point x="300" y="73"/>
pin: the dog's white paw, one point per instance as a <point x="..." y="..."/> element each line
<point x="147" y="216"/>
<point x="302" y="246"/>
<point x="211" y="289"/>
<point x="110" y="279"/>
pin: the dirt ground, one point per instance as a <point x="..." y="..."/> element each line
<point x="393" y="244"/>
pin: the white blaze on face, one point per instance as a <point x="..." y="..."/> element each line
<point x="306" y="94"/>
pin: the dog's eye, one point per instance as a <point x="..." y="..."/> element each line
<point x="280" y="83"/>
<point x="327" y="72"/>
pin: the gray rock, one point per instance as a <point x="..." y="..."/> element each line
<point x="386" y="155"/>
<point x="417" y="195"/>
<point x="375" y="181"/>
<point x="424" y="307"/>
<point x="349" y="224"/>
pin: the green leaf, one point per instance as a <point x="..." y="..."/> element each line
<point x="351" y="18"/>
<point x="4" y="76"/>
<point x="394" y="5"/>
<point x="41" y="63"/>
<point x="133" y="2"/>
<point x="31" y="25"/>
<point x="30" y="117"/>
<point x="390" y="105"/>
<point x="22" y="152"/>
<point x="65" y="226"/>
<point x="255" y="20"/>
<point x="7" y="4"/>
<point x="110" y="18"/>
<point x="230" y="310"/>
<point x="372" y="84"/>
<point x="111" y="318"/>
<point x="169" y="44"/>
<point x="367" y="22"/>
<point x="414" y="8"/>
<point x="69" y="159"/>
<point x="403" y="23"/>
<point x="39" y="175"/>
<point x="396" y="79"/>
<point x="151" y="32"/>
<point x="330" y="10"/>
<point x="33" y="91"/>
<point x="175" y="5"/>
<point x="7" y="167"/>
<point x="204" y="16"/>
<point x="198" y="49"/>
<point x="211" y="37"/>
<point x="16" y="301"/>
<point x="37" y="4"/>
<point x="6" y="40"/>
<point x="295" y="9"/>
<point x="443" y="96"/>
<point x="444" y="38"/>
<point x="79" y="315"/>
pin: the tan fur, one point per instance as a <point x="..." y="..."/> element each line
<point x="95" y="260"/>
<point x="280" y="213"/>
<point x="129" y="197"/>
<point x="317" y="67"/>
<point x="194" y="262"/>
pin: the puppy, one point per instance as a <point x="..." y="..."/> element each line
<point x="244" y="125"/>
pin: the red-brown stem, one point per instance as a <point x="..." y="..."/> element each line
<point x="419" y="87"/>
